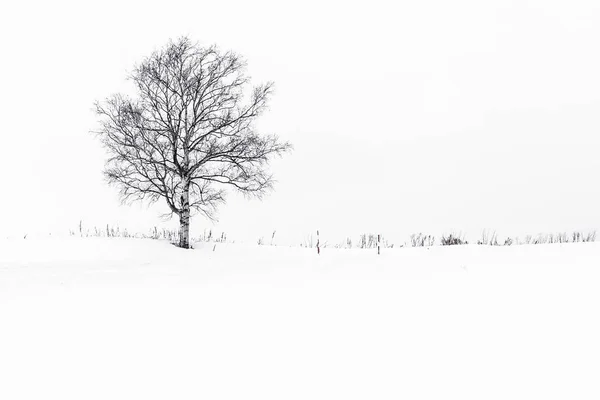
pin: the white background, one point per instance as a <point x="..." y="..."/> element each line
<point x="425" y="116"/>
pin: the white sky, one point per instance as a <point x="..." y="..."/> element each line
<point x="427" y="116"/>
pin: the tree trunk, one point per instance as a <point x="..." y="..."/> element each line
<point x="184" y="219"/>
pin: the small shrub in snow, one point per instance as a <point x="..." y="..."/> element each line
<point x="488" y="239"/>
<point x="421" y="240"/>
<point x="453" y="240"/>
<point x="368" y="241"/>
<point x="581" y="237"/>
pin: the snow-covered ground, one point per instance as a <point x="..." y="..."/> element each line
<point x="140" y="319"/>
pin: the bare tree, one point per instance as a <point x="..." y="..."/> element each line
<point x="189" y="133"/>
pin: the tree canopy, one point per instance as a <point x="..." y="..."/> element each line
<point x="189" y="133"/>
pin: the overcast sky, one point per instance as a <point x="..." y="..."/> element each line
<point x="416" y="116"/>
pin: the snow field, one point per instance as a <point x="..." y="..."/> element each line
<point x="140" y="319"/>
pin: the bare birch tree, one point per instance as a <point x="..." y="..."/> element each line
<point x="189" y="133"/>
